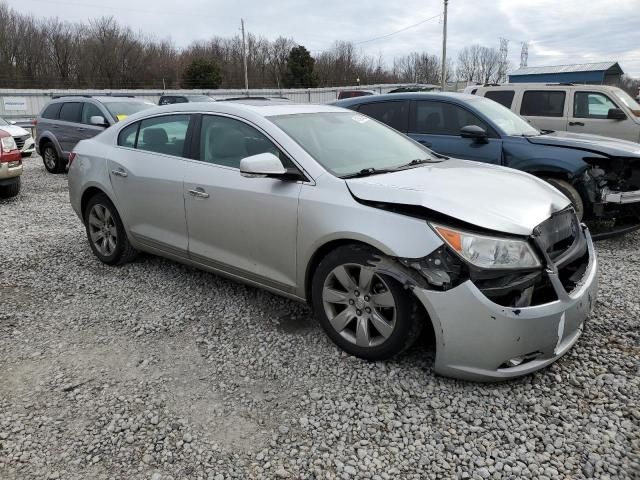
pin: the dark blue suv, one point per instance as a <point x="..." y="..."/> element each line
<point x="600" y="175"/>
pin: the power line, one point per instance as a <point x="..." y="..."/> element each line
<point x="398" y="31"/>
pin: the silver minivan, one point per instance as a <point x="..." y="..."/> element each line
<point x="66" y="120"/>
<point x="595" y="109"/>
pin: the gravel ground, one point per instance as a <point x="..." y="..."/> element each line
<point x="154" y="370"/>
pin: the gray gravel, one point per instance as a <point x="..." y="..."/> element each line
<point x="154" y="370"/>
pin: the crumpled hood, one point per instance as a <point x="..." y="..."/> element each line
<point x="607" y="145"/>
<point x="488" y="196"/>
<point x="14" y="130"/>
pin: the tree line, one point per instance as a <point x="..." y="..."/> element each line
<point x="104" y="54"/>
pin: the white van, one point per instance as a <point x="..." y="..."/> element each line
<point x="596" y="109"/>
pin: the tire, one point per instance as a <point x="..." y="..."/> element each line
<point x="571" y="193"/>
<point x="11" y="190"/>
<point x="347" y="309"/>
<point x="105" y="232"/>
<point x="52" y="162"/>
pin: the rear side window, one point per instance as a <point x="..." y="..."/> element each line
<point x="166" y="134"/>
<point x="70" y="112"/>
<point x="128" y="135"/>
<point x="394" y="114"/>
<point x="546" y="103"/>
<point x="591" y="105"/>
<point x="503" y="97"/>
<point x="51" y="112"/>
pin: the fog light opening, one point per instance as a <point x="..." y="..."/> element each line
<point x="521" y="360"/>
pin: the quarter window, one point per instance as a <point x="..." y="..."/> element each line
<point x="503" y="97"/>
<point x="591" y="105"/>
<point x="225" y="141"/>
<point x="164" y="134"/>
<point x="52" y="111"/>
<point x="90" y="110"/>
<point x="440" y="118"/>
<point x="70" y="112"/>
<point x="547" y="103"/>
<point x="128" y="135"/>
<point x="395" y="114"/>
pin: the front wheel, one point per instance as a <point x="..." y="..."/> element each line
<point x="52" y="162"/>
<point x="11" y="190"/>
<point x="571" y="193"/>
<point x="105" y="232"/>
<point x="367" y="314"/>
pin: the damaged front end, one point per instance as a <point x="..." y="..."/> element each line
<point x="493" y="324"/>
<point x="613" y="187"/>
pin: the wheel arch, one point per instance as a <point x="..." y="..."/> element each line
<point x="88" y="194"/>
<point x="47" y="137"/>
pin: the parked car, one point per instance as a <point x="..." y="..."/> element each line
<point x="600" y="175"/>
<point x="415" y="88"/>
<point x="171" y="99"/>
<point x="64" y="121"/>
<point x="354" y="93"/>
<point x="24" y="140"/>
<point x="381" y="237"/>
<point x="10" y="166"/>
<point x="596" y="109"/>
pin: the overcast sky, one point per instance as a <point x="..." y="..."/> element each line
<point x="558" y="31"/>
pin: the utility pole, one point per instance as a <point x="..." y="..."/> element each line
<point x="444" y="47"/>
<point x="244" y="58"/>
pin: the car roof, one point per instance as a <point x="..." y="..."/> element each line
<point x="461" y="97"/>
<point x="99" y="98"/>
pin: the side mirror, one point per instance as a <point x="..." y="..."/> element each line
<point x="266" y="165"/>
<point x="99" y="121"/>
<point x="616" y="114"/>
<point x="12" y="122"/>
<point x="474" y="132"/>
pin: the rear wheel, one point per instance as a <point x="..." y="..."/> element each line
<point x="11" y="190"/>
<point x="105" y="232"/>
<point x="52" y="162"/>
<point x="366" y="313"/>
<point x="571" y="193"/>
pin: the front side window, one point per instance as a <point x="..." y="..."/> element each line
<point x="441" y="118"/>
<point x="395" y="114"/>
<point x="543" y="103"/>
<point x="70" y="112"/>
<point x="225" y="141"/>
<point x="591" y="105"/>
<point x="128" y="135"/>
<point x="90" y="110"/>
<point x="346" y="142"/>
<point x="166" y="134"/>
<point x="503" y="97"/>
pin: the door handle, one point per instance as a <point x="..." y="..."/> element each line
<point x="198" y="192"/>
<point x="80" y="129"/>
<point x="119" y="173"/>
<point x="580" y="124"/>
<point x="425" y="143"/>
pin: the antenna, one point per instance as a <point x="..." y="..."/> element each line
<point x="524" y="54"/>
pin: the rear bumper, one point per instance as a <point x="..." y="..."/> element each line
<point x="482" y="341"/>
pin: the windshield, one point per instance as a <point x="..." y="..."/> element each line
<point x="346" y="143"/>
<point x="200" y="98"/>
<point x="121" y="110"/>
<point x="3" y="121"/>
<point x="505" y="119"/>
<point x="625" y="98"/>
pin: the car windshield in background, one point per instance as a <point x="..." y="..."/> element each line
<point x="625" y="98"/>
<point x="121" y="110"/>
<point x="200" y="98"/>
<point x="3" y="121"/>
<point x="509" y="122"/>
<point x="346" y="143"/>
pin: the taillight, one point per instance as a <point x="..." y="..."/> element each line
<point x="72" y="156"/>
<point x="34" y="122"/>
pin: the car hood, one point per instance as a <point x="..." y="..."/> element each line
<point x="488" y="196"/>
<point x="14" y="130"/>
<point x="584" y="141"/>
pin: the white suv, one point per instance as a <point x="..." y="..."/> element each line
<point x="595" y="109"/>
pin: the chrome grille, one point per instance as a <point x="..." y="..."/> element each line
<point x="20" y="141"/>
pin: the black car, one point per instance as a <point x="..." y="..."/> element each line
<point x="171" y="99"/>
<point x="600" y="175"/>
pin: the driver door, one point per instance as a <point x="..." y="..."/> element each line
<point x="246" y="227"/>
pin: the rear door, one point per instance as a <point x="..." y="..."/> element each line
<point x="589" y="115"/>
<point x="437" y="126"/>
<point x="146" y="173"/>
<point x="66" y="129"/>
<point x="545" y="109"/>
<point x="244" y="226"/>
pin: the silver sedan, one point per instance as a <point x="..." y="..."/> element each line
<point x="382" y="237"/>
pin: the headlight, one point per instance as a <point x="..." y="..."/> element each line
<point x="8" y="144"/>
<point x="488" y="252"/>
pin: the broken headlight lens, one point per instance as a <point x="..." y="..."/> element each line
<point x="488" y="252"/>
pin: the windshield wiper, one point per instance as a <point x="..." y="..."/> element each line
<point x="365" y="172"/>
<point x="415" y="162"/>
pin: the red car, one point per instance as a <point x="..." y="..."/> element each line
<point x="10" y="166"/>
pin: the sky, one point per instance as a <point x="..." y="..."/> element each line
<point x="558" y="32"/>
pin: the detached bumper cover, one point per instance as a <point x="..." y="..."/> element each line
<point x="477" y="338"/>
<point x="609" y="196"/>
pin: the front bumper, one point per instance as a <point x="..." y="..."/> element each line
<point x="620" y="198"/>
<point x="476" y="338"/>
<point x="29" y="146"/>
<point x="10" y="172"/>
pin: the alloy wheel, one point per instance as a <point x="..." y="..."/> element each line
<point x="102" y="230"/>
<point x="359" y="305"/>
<point x="50" y="158"/>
